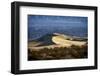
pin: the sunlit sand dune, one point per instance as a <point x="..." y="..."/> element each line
<point x="64" y="42"/>
<point x="58" y="40"/>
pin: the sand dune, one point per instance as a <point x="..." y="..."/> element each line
<point x="58" y="40"/>
<point x="64" y="42"/>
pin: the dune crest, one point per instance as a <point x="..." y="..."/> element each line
<point x="66" y="42"/>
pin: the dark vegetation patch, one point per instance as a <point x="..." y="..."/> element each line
<point x="73" y="52"/>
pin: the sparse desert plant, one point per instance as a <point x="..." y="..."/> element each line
<point x="72" y="52"/>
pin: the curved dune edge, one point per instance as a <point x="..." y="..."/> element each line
<point x="64" y="42"/>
